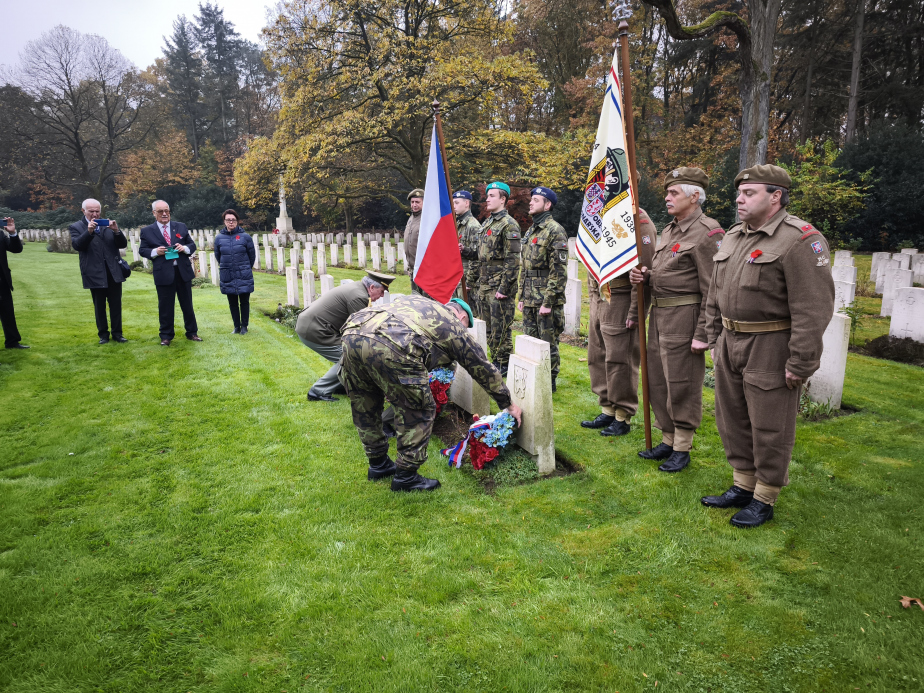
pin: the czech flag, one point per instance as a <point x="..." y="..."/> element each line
<point x="438" y="264"/>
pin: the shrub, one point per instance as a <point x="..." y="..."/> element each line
<point x="60" y="245"/>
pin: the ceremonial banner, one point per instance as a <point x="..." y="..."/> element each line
<point x="606" y="237"/>
<point x="438" y="264"/>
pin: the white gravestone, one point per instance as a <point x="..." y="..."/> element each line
<point x="465" y="392"/>
<point x="843" y="257"/>
<point x="376" y="257"/>
<point x="844" y="293"/>
<point x="361" y="253"/>
<point x="895" y="279"/>
<point x="347" y="255"/>
<point x="292" y="286"/>
<point x="275" y="240"/>
<point x="844" y="273"/>
<point x="280" y="259"/>
<point x="327" y="283"/>
<point x="203" y="263"/>
<point x="269" y="259"/>
<point x="135" y="255"/>
<point x="390" y="257"/>
<point x="903" y="259"/>
<point x="881" y="274"/>
<point x="306" y="257"/>
<point x="878" y="258"/>
<point x="573" y="269"/>
<point x="909" y="251"/>
<point x="572" y="248"/>
<point x="827" y="383"/>
<point x="345" y="281"/>
<point x="293" y="257"/>
<point x="917" y="268"/>
<point x="334" y="255"/>
<point x="322" y="261"/>
<point x="573" y="306"/>
<point x="529" y="379"/>
<point x="384" y="301"/>
<point x="256" y="255"/>
<point x="215" y="278"/>
<point x="307" y="287"/>
<point x="908" y="314"/>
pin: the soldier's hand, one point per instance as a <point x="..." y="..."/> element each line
<point x="712" y="355"/>
<point x="544" y="311"/>
<point x="520" y="306"/>
<point x="698" y="347"/>
<point x="516" y="413"/>
<point x="793" y="381"/>
<point x="637" y="275"/>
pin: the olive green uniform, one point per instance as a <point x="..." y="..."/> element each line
<point x="778" y="275"/>
<point x="411" y="233"/>
<point x="544" y="259"/>
<point x="470" y="238"/>
<point x="681" y="273"/>
<point x="613" y="352"/>
<point x="388" y="352"/>
<point x="499" y="256"/>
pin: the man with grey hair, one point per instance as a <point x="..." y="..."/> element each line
<point x="98" y="242"/>
<point x="318" y="326"/>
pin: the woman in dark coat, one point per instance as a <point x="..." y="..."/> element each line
<point x="236" y="254"/>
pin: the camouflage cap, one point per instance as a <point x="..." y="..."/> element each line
<point x="416" y="192"/>
<point x="497" y="185"/>
<point x="686" y="175"/>
<point x="380" y="277"/>
<point x="767" y="174"/>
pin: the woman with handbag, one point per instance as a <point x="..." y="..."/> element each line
<point x="236" y="254"/>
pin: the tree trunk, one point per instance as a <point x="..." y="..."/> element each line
<point x="755" y="99"/>
<point x="348" y="215"/>
<point x="807" y="106"/>
<point x="854" y="99"/>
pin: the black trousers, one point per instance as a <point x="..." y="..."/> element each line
<point x="8" y="317"/>
<point x="113" y="294"/>
<point x="167" y="295"/>
<point x="240" y="314"/>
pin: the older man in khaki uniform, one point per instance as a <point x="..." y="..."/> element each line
<point x="411" y="233"/>
<point x="680" y="275"/>
<point x="772" y="298"/>
<point x="613" y="352"/>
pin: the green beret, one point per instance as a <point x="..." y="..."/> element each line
<point x="497" y="185"/>
<point x="416" y="192"/>
<point x="765" y="173"/>
<point x="686" y="175"/>
<point x="468" y="311"/>
<point x="380" y="277"/>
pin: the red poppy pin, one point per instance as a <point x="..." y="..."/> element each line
<point x="535" y="240"/>
<point x="756" y="254"/>
<point x="237" y="238"/>
<point x="488" y="233"/>
<point x="675" y="249"/>
<point x="179" y="235"/>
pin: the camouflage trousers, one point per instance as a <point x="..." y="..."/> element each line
<point x="546" y="327"/>
<point x="498" y="314"/>
<point x="373" y="373"/>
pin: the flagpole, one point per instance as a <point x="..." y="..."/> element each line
<point x="439" y="134"/>
<point x="633" y="173"/>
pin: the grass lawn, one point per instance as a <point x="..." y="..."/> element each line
<point x="183" y="520"/>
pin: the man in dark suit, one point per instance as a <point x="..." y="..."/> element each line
<point x="99" y="267"/>
<point x="13" y="244"/>
<point x="172" y="275"/>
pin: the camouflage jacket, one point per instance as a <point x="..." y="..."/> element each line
<point x="544" y="261"/>
<point x="420" y="329"/>
<point x="469" y="238"/>
<point x="499" y="254"/>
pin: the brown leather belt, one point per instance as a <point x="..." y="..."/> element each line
<point x="756" y="327"/>
<point x="537" y="273"/>
<point x="671" y="301"/>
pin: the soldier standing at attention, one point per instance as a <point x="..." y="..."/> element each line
<point x="469" y="239"/>
<point x="499" y="255"/>
<point x="772" y="298"/>
<point x="613" y="352"/>
<point x="411" y="232"/>
<point x="680" y="275"/>
<point x="388" y="352"/>
<point x="542" y="280"/>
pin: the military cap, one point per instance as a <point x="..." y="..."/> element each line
<point x="497" y="185"/>
<point x="464" y="194"/>
<point x="546" y="193"/>
<point x="380" y="277"/>
<point x="765" y="173"/>
<point x="686" y="175"/>
<point x="416" y="192"/>
<point x="468" y="311"/>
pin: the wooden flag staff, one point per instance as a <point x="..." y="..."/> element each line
<point x="439" y="134"/>
<point x="640" y="288"/>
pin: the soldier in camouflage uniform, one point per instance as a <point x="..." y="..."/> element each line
<point x="499" y="255"/>
<point x="469" y="240"/>
<point x="388" y="352"/>
<point x="542" y="279"/>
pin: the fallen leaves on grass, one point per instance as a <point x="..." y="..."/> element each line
<point x="908" y="601"/>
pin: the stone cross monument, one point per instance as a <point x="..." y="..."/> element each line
<point x="283" y="221"/>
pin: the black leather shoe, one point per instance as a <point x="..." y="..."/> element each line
<point x="165" y="342"/>
<point x="194" y="338"/>
<point x="661" y="451"/>
<point x="735" y="497"/>
<point x="243" y="329"/>
<point x="410" y="480"/>
<point x="104" y="341"/>
<point x="754" y="515"/>
<point x="677" y="461"/>
<point x="237" y="330"/>
<point x="381" y="467"/>
<point x="18" y="346"/>
<point x="602" y="421"/>
<point x="321" y="398"/>
<point x="120" y="339"/>
<point x="389" y="430"/>
<point x="617" y="428"/>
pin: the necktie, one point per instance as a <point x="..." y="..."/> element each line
<point x="166" y="235"/>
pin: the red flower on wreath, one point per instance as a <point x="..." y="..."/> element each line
<point x="480" y="454"/>
<point x="439" y="390"/>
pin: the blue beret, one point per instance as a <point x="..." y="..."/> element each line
<point x="546" y="193"/>
<point x="465" y="194"/>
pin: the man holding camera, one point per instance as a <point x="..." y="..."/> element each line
<point x="169" y="245"/>
<point x="98" y="241"/>
<point x="13" y="244"/>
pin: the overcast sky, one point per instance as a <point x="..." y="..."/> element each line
<point x="135" y="28"/>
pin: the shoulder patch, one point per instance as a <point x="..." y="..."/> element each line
<point x="817" y="247"/>
<point x="560" y="246"/>
<point x="646" y="240"/>
<point x="807" y="227"/>
<point x="714" y="232"/>
<point x="813" y="232"/>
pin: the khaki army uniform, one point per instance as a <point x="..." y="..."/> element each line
<point x="470" y="238"/>
<point x="388" y="352"/>
<point x="772" y="299"/>
<point x="411" y="233"/>
<point x="499" y="255"/>
<point x="613" y="352"/>
<point x="680" y="275"/>
<point x="543" y="274"/>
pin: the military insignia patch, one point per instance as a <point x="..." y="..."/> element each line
<point x="817" y="247"/>
<point x="822" y="261"/>
<point x="718" y="244"/>
<point x="646" y="240"/>
<point x="807" y="227"/>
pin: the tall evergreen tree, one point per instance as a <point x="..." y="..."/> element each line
<point x="222" y="49"/>
<point x="185" y="70"/>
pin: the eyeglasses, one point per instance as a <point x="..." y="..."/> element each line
<point x="161" y="211"/>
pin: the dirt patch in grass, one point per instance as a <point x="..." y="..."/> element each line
<point x="893" y="349"/>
